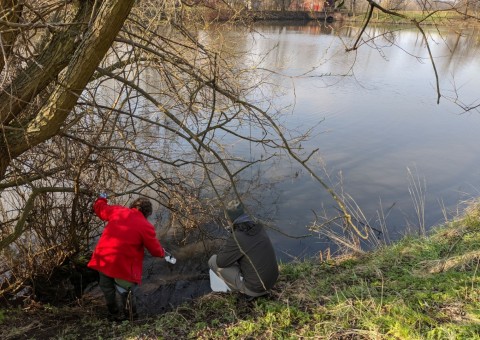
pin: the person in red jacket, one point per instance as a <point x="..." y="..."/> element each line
<point x="118" y="255"/>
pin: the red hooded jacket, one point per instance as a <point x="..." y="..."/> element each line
<point x="120" y="250"/>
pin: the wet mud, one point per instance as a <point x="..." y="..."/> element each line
<point x="166" y="286"/>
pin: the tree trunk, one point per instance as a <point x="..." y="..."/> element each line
<point x="88" y="55"/>
<point x="45" y="68"/>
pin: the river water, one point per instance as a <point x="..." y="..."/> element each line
<point x="377" y="122"/>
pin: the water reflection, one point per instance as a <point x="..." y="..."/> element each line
<point x="373" y="113"/>
<point x="377" y="114"/>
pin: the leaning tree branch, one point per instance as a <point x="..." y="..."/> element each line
<point x="88" y="55"/>
<point x="374" y="5"/>
<point x="437" y="81"/>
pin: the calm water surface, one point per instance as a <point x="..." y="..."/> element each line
<point x="377" y="117"/>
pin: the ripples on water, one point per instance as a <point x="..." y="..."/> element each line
<point x="374" y="123"/>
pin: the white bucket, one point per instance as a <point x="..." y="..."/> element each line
<point x="217" y="284"/>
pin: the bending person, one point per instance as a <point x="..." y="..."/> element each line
<point x="247" y="262"/>
<point x="118" y="256"/>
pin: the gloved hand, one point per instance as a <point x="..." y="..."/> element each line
<point x="169" y="258"/>
<point x="102" y="195"/>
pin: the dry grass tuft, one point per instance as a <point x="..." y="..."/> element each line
<point x="442" y="265"/>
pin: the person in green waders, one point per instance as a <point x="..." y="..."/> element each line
<point x="119" y="253"/>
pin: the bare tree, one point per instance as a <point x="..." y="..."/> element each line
<point x="48" y="52"/>
<point x="49" y="58"/>
<point x="135" y="99"/>
<point x="103" y="95"/>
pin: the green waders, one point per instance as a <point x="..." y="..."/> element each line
<point x="126" y="289"/>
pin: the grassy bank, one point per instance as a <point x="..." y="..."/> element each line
<point x="419" y="288"/>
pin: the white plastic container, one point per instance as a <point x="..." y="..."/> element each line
<point x="217" y="284"/>
<point x="170" y="259"/>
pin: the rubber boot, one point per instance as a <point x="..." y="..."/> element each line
<point x="113" y="312"/>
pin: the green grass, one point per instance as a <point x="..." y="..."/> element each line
<point x="418" y="288"/>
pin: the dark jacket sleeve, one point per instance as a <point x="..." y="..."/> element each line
<point x="229" y="254"/>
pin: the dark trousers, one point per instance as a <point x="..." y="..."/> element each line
<point x="232" y="276"/>
<point x="126" y="289"/>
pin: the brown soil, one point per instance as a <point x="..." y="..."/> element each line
<point x="38" y="321"/>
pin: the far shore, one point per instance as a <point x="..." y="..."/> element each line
<point x="330" y="16"/>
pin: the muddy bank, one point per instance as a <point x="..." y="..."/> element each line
<point x="166" y="286"/>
